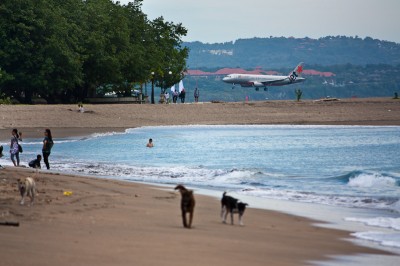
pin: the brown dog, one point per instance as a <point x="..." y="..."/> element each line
<point x="187" y="204"/>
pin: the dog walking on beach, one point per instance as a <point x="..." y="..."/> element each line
<point x="187" y="204"/>
<point x="27" y="187"/>
<point x="231" y="205"/>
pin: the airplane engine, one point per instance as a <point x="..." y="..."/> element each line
<point x="258" y="84"/>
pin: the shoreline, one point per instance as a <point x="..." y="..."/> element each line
<point x="65" y="120"/>
<point x="105" y="217"/>
<point x="99" y="206"/>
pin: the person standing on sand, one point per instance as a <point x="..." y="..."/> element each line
<point x="150" y="144"/>
<point x="182" y="96"/>
<point x="1" y="155"/>
<point x="166" y="96"/>
<point x="196" y="95"/>
<point x="47" y="145"/>
<point x="14" y="147"/>
<point x="175" y="96"/>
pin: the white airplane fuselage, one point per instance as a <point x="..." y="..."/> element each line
<point x="259" y="81"/>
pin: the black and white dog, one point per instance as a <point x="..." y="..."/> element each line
<point x="231" y="205"/>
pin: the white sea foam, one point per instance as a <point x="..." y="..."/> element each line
<point x="396" y="206"/>
<point x="386" y="222"/>
<point x="166" y="175"/>
<point x="107" y="134"/>
<point x="385" y="239"/>
<point x="40" y="142"/>
<point x="368" y="180"/>
<point x="233" y="126"/>
<point x="389" y="238"/>
<point x="333" y="200"/>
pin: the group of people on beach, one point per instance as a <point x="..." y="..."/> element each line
<point x="175" y="95"/>
<point x="16" y="149"/>
<point x="181" y="95"/>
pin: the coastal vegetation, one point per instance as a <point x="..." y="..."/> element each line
<point x="64" y="51"/>
<point x="61" y="51"/>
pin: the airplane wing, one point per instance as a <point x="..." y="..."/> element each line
<point x="262" y="83"/>
<point x="272" y="82"/>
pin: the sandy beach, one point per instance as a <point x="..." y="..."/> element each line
<point x="65" y="120"/>
<point x="106" y="222"/>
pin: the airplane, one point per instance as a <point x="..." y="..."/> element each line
<point x="262" y="81"/>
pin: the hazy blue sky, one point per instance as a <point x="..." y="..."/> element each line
<point x="227" y="20"/>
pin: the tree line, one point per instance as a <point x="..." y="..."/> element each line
<point x="63" y="50"/>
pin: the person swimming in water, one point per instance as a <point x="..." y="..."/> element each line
<point x="150" y="144"/>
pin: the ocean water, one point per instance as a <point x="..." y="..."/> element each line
<point x="355" y="167"/>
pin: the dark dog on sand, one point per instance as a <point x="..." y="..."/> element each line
<point x="232" y="205"/>
<point x="187" y="204"/>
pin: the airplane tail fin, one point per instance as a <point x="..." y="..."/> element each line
<point x="296" y="72"/>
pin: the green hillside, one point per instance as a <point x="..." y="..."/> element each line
<point x="284" y="52"/>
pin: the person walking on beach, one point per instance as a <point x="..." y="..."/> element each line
<point x="182" y="96"/>
<point x="196" y="95"/>
<point x="14" y="146"/>
<point x="1" y="155"/>
<point x="150" y="144"/>
<point x="47" y="145"/>
<point x="166" y="96"/>
<point x="175" y="96"/>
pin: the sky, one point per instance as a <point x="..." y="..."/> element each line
<point x="217" y="21"/>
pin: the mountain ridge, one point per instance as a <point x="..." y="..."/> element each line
<point x="341" y="67"/>
<point x="279" y="52"/>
